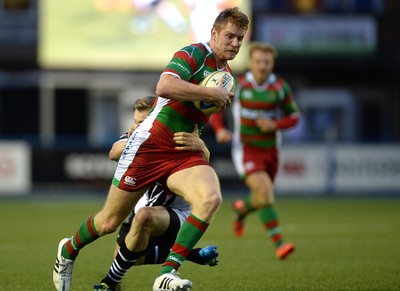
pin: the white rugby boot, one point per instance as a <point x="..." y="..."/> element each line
<point x="62" y="272"/>
<point x="171" y="282"/>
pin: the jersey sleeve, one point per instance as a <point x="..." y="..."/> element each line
<point x="217" y="121"/>
<point x="123" y="136"/>
<point x="185" y="62"/>
<point x="288" y="104"/>
<point x="289" y="108"/>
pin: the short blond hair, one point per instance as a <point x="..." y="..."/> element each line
<point x="144" y="103"/>
<point x="264" y="47"/>
<point x="232" y="15"/>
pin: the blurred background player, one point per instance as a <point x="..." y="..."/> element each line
<point x="157" y="216"/>
<point x="261" y="97"/>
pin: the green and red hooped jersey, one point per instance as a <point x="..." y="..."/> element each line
<point x="273" y="99"/>
<point x="192" y="63"/>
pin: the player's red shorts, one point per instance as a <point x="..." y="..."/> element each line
<point x="148" y="159"/>
<point x="260" y="159"/>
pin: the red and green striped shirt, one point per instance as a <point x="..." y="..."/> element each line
<point x="273" y="99"/>
<point x="192" y="63"/>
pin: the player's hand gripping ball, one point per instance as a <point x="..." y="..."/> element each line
<point x="213" y="80"/>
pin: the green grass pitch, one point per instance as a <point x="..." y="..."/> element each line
<point x="342" y="244"/>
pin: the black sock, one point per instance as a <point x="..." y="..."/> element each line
<point x="156" y="255"/>
<point x="124" y="260"/>
<point x="194" y="256"/>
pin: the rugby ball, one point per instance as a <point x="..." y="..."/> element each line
<point x="213" y="80"/>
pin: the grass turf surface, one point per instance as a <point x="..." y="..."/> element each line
<point x="342" y="244"/>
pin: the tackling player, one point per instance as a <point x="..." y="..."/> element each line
<point x="157" y="216"/>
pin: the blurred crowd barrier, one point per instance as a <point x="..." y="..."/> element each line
<point x="305" y="169"/>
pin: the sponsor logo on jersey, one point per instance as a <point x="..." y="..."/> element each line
<point x="180" y="66"/>
<point x="130" y="181"/>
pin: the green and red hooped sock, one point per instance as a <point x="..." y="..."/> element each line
<point x="189" y="234"/>
<point x="269" y="218"/>
<point x="83" y="236"/>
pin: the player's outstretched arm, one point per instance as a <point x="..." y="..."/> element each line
<point x="119" y="146"/>
<point x="116" y="150"/>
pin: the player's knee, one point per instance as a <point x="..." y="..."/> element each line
<point x="265" y="200"/>
<point x="107" y="227"/>
<point x="212" y="202"/>
<point x="145" y="217"/>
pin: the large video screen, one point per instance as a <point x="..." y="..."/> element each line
<point x="125" y="34"/>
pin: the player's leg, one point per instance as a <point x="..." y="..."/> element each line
<point x="261" y="189"/>
<point x="156" y="251"/>
<point x="199" y="186"/>
<point x="117" y="206"/>
<point x="147" y="222"/>
<point x="123" y="231"/>
<point x="201" y="256"/>
<point x="262" y="198"/>
<point x="241" y="207"/>
<point x="161" y="245"/>
<point x="261" y="193"/>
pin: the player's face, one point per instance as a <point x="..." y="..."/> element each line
<point x="139" y="116"/>
<point x="261" y="65"/>
<point x="228" y="41"/>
